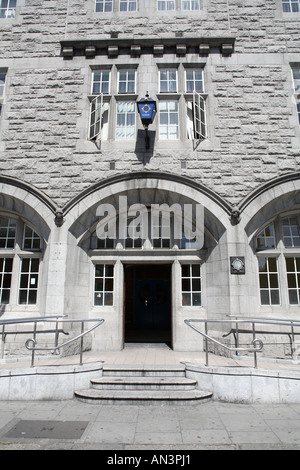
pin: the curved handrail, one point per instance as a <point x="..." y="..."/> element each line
<point x="59" y="346"/>
<point x="31" y="343"/>
<point x="256" y="342"/>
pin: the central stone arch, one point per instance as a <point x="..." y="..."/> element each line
<point x="162" y="266"/>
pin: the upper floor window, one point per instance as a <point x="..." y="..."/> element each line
<point x="291" y="6"/>
<point x="194" y="80"/>
<point x="168" y="80"/>
<point x="126" y="81"/>
<point x="127" y="5"/>
<point x="181" y="103"/>
<point x="169" y="119"/>
<point x="190" y="5"/>
<point x="8" y="8"/>
<point x="165" y="5"/>
<point x="296" y="76"/>
<point x="125" y="125"/>
<point x="101" y="81"/>
<point x="104" y="5"/>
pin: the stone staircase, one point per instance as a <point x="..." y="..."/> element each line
<point x="124" y="384"/>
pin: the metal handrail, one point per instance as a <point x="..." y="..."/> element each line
<point x="240" y="319"/>
<point x="292" y="323"/>
<point x="257" y="344"/>
<point x="50" y="319"/>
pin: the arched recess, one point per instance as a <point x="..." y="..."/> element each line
<point x="278" y="195"/>
<point x="34" y="214"/>
<point x="23" y="199"/>
<point x="273" y="263"/>
<point x="146" y="188"/>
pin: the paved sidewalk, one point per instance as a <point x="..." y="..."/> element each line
<point x="72" y="425"/>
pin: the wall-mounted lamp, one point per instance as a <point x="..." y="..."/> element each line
<point x="147" y="111"/>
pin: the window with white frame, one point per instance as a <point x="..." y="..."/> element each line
<point x="266" y="238"/>
<point x="291" y="232"/>
<point x="101" y="82"/>
<point x="126" y="81"/>
<point x="166" y="5"/>
<point x="293" y="279"/>
<point x="104" y="285"/>
<point x="169" y="119"/>
<point x="8" y="8"/>
<point x="194" y="80"/>
<point x="268" y="281"/>
<point x="191" y="285"/>
<point x="104" y="5"/>
<point x="196" y="105"/>
<point x="125" y="122"/>
<point x="99" y="105"/>
<point x="278" y="253"/>
<point x="291" y="6"/>
<point x="190" y="4"/>
<point x="6" y="267"/>
<point x="20" y="256"/>
<point x="128" y="5"/>
<point x="29" y="281"/>
<point x="296" y="76"/>
<point x="168" y="80"/>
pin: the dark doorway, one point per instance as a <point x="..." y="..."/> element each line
<point x="148" y="304"/>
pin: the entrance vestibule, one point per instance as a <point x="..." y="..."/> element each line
<point x="147" y="306"/>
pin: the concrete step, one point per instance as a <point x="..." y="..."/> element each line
<point x="126" y="384"/>
<point x="154" y="397"/>
<point x="143" y="383"/>
<point x="143" y="371"/>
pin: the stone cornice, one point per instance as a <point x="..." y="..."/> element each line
<point x="112" y="47"/>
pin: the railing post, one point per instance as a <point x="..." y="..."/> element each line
<point x="206" y="344"/>
<point x="293" y="342"/>
<point x="237" y="338"/>
<point x="81" y="342"/>
<point x="255" y="354"/>
<point x="3" y="342"/>
<point x="34" y="338"/>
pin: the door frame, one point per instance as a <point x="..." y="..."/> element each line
<point x="170" y="264"/>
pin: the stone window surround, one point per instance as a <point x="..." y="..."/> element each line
<point x="281" y="253"/>
<point x="180" y="95"/>
<point x="18" y="254"/>
<point x="141" y="7"/>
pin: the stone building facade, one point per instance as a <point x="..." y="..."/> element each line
<point x="225" y="77"/>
